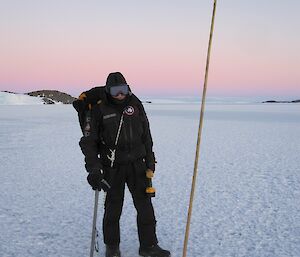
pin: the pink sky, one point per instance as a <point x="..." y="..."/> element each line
<point x="161" y="49"/>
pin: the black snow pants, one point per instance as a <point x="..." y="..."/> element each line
<point x="133" y="174"/>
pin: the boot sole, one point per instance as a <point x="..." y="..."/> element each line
<point x="146" y="255"/>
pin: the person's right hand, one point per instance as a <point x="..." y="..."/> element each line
<point x="97" y="181"/>
<point x="94" y="178"/>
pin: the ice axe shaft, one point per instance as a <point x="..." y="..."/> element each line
<point x="94" y="228"/>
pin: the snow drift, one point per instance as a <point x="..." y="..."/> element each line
<point x="18" y="99"/>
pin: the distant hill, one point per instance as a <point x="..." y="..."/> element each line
<point x="35" y="97"/>
<point x="273" y="101"/>
<point x="53" y="96"/>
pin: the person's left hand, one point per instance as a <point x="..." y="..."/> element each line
<point x="149" y="173"/>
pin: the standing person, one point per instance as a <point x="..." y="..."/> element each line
<point x="118" y="136"/>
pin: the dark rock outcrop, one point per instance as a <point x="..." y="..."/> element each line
<point x="48" y="101"/>
<point x="52" y="96"/>
<point x="273" y="101"/>
<point x="10" y="92"/>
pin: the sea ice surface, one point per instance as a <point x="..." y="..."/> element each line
<point x="247" y="199"/>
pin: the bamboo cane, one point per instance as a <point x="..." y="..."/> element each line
<point x="199" y="134"/>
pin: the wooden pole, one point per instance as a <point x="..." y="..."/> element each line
<point x="199" y="134"/>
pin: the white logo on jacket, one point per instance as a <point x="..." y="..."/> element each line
<point x="129" y="110"/>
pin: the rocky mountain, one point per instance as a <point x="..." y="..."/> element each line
<point x="53" y="96"/>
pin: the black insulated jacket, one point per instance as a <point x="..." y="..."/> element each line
<point x="134" y="142"/>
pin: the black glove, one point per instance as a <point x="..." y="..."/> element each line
<point x="97" y="181"/>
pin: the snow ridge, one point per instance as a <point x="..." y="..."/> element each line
<point x="18" y="99"/>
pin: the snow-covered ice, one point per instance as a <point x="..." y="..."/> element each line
<point x="248" y="188"/>
<point x="18" y="99"/>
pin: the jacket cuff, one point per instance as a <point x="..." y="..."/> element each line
<point x="150" y="161"/>
<point x="94" y="166"/>
<point x="151" y="166"/>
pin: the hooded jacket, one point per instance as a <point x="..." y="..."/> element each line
<point x="134" y="141"/>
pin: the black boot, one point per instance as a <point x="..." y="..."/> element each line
<point x="153" y="251"/>
<point x="112" y="251"/>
